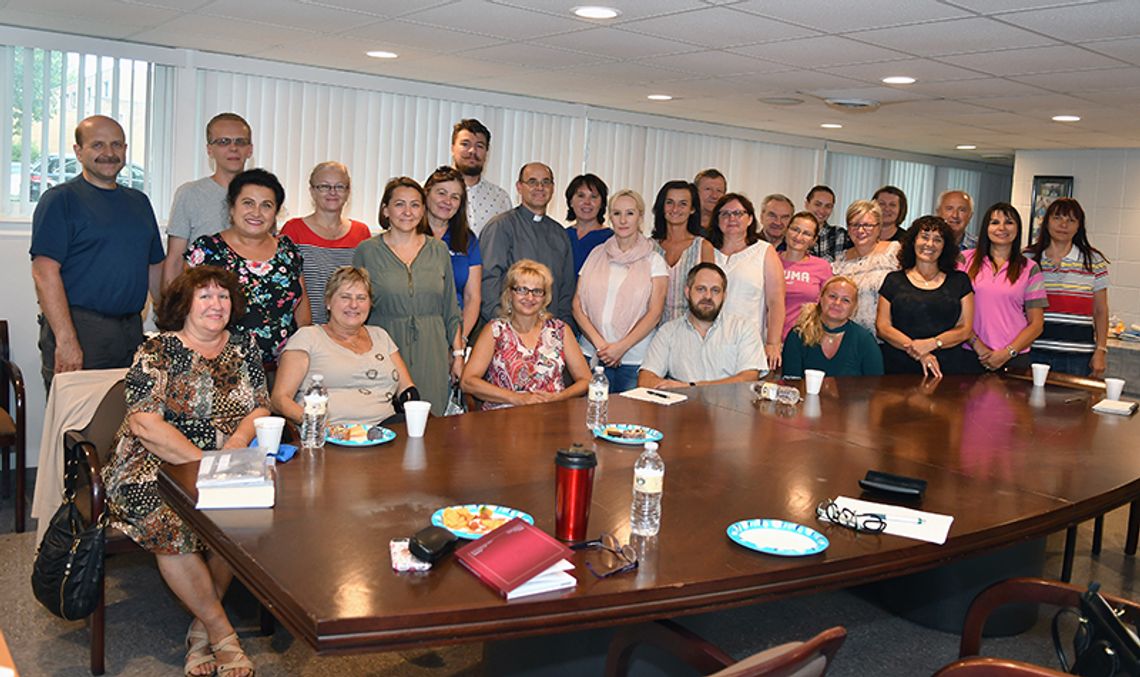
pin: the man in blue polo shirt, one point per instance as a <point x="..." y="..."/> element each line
<point x="95" y="252"/>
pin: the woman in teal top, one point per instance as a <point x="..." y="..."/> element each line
<point x="826" y="339"/>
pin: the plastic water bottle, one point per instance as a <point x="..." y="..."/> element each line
<point x="316" y="403"/>
<point x="648" y="479"/>
<point x="598" y="407"/>
<point x="778" y="393"/>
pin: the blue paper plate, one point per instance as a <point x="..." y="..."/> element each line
<point x="777" y="537"/>
<point x="628" y="433"/>
<point x="497" y="512"/>
<point x="386" y="435"/>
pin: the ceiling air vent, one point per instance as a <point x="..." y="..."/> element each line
<point x="853" y="105"/>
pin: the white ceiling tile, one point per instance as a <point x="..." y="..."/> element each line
<point x="400" y="32"/>
<point x="1125" y="49"/>
<point x="1084" y="81"/>
<point x="348" y="54"/>
<point x="180" y="5"/>
<point x="943" y="108"/>
<point x="631" y="72"/>
<point x="715" y="63"/>
<point x="999" y="6"/>
<point x="1113" y="19"/>
<point x="278" y="13"/>
<point x="131" y="17"/>
<point x="533" y="56"/>
<point x="1116" y="97"/>
<point x="66" y="23"/>
<point x="1032" y="60"/>
<point x="925" y="71"/>
<point x="630" y="9"/>
<point x="233" y="36"/>
<point x="616" y="43"/>
<point x="975" y="89"/>
<point x="718" y="28"/>
<point x="830" y="16"/>
<point x="794" y="81"/>
<point x="819" y="52"/>
<point x="952" y="37"/>
<point x="373" y="8"/>
<point x="1057" y="103"/>
<point x="497" y="20"/>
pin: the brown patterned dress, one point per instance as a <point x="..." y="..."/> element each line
<point x="205" y="399"/>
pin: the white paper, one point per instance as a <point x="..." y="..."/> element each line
<point x="655" y="396"/>
<point x="1118" y="407"/>
<point x="905" y="522"/>
<point x="553" y="577"/>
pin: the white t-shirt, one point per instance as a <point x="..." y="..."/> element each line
<point x="745" y="295"/>
<point x="618" y="273"/>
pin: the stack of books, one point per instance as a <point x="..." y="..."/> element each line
<point x="235" y="478"/>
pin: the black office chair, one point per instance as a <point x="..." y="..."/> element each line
<point x="13" y="433"/>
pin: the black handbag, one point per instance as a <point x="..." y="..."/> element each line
<point x="67" y="577"/>
<point x="1103" y="646"/>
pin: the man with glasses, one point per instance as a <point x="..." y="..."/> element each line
<point x="199" y="206"/>
<point x="526" y="232"/>
<point x="470" y="142"/>
<point x="703" y="347"/>
<point x="775" y="214"/>
<point x="96" y="251"/>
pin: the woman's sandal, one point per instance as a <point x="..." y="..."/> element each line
<point x="197" y="652"/>
<point x="229" y="644"/>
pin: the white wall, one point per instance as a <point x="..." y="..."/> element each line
<point x="1107" y="184"/>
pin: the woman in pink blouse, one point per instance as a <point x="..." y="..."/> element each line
<point x="520" y="357"/>
<point x="804" y="274"/>
<point x="1009" y="292"/>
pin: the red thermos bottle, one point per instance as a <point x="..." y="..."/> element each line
<point x="574" y="485"/>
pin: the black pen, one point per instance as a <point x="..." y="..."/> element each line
<point x="664" y="396"/>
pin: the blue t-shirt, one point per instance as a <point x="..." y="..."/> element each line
<point x="461" y="263"/>
<point x="583" y="246"/>
<point x="104" y="240"/>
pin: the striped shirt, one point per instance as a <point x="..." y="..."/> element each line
<point x="320" y="257"/>
<point x="1070" y="289"/>
<point x="676" y="305"/>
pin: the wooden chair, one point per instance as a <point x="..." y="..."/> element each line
<point x="1133" y="534"/>
<point x="93" y="445"/>
<point x="1017" y="590"/>
<point x="13" y="422"/>
<point x="795" y="659"/>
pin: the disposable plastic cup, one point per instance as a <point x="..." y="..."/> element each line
<point x="813" y="380"/>
<point x="1114" y="388"/>
<point x="416" y="414"/>
<point x="1040" y="373"/>
<point x="269" y="433"/>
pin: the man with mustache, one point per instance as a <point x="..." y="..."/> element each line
<point x="470" y="142"/>
<point x="703" y="347"/>
<point x="96" y="251"/>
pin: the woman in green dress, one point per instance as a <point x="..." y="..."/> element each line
<point x="413" y="291"/>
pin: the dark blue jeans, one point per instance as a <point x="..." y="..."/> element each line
<point x="1076" y="364"/>
<point x="622" y="378"/>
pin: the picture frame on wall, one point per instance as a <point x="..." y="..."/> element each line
<point x="1046" y="189"/>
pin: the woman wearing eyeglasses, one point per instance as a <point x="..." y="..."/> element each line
<point x="621" y="294"/>
<point x="755" y="289"/>
<point x="413" y="291"/>
<point x="520" y="357"/>
<point x="327" y="238"/>
<point x="804" y="274"/>
<point x="869" y="260"/>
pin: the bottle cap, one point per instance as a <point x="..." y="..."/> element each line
<point x="651" y="446"/>
<point x="599" y="369"/>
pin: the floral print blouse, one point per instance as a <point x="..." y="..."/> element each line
<point x="522" y="370"/>
<point x="272" y="289"/>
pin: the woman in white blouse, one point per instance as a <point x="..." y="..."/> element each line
<point x="755" y="275"/>
<point x="621" y="293"/>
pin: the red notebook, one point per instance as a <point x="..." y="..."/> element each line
<point x="518" y="559"/>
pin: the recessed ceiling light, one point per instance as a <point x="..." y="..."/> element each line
<point x="781" y="100"/>
<point x="966" y="146"/>
<point x="659" y="97"/>
<point x="381" y="54"/>
<point x="899" y="80"/>
<point x="831" y="125"/>
<point x="1066" y="118"/>
<point x="595" y="12"/>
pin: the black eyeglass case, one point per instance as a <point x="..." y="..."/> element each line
<point x="432" y="543"/>
<point x="895" y="485"/>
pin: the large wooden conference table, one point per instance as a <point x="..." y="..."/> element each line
<point x="1008" y="463"/>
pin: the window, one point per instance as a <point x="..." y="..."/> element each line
<point x="49" y="92"/>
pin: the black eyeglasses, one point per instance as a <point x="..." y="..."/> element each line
<point x="846" y="517"/>
<point x="624" y="555"/>
<point x="224" y="141"/>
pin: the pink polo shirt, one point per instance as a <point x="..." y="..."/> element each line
<point x="802" y="281"/>
<point x="999" y="307"/>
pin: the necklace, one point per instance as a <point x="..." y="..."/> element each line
<point x="921" y="280"/>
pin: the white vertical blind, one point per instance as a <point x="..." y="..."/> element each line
<point x="916" y="181"/>
<point x="853" y="177"/>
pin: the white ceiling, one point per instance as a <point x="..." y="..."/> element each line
<point x="990" y="72"/>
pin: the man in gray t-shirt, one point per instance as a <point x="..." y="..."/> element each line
<point x="200" y="206"/>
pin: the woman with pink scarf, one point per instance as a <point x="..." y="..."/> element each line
<point x="621" y="293"/>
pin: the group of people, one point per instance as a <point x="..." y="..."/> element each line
<point x="714" y="293"/>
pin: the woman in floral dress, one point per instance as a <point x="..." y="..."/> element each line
<point x="268" y="268"/>
<point x="520" y="357"/>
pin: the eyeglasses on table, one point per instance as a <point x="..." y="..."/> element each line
<point x="624" y="555"/>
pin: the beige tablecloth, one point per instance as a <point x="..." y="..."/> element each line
<point x="75" y="395"/>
